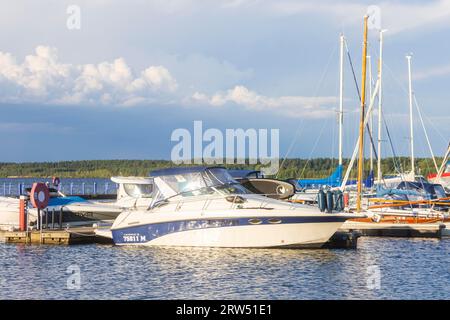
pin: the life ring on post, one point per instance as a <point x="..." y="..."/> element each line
<point x="56" y="181"/>
<point x="39" y="195"/>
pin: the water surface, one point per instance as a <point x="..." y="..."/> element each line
<point x="409" y="269"/>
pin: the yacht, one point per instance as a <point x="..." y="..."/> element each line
<point x="206" y="207"/>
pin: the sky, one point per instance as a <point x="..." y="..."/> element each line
<point x="117" y="82"/>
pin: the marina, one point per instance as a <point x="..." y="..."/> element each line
<point x="239" y="150"/>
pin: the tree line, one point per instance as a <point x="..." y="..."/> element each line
<point x="289" y="168"/>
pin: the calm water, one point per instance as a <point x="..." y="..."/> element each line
<point x="409" y="269"/>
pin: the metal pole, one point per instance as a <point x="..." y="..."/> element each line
<point x="60" y="217"/>
<point x="411" y="129"/>
<point x="361" y="122"/>
<point x="341" y="96"/>
<point x="53" y="218"/>
<point x="380" y="106"/>
<point x="369" y="64"/>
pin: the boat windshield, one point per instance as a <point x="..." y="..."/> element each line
<point x="138" y="190"/>
<point x="209" y="181"/>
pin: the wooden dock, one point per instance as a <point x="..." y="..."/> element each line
<point x="420" y="230"/>
<point x="81" y="235"/>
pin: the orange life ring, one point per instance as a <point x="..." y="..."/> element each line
<point x="39" y="195"/>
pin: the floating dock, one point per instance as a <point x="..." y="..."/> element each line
<point x="81" y="235"/>
<point x="420" y="230"/>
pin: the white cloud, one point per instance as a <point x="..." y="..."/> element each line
<point x="395" y="16"/>
<point x="293" y="106"/>
<point x="432" y="72"/>
<point x="41" y="77"/>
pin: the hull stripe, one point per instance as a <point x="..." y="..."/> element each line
<point x="147" y="232"/>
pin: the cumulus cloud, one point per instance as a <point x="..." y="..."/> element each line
<point x="296" y="106"/>
<point x="41" y="77"/>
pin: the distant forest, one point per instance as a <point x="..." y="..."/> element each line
<point x="291" y="168"/>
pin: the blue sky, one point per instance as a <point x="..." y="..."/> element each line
<point x="137" y="70"/>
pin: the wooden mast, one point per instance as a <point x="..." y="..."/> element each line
<point x="361" y="122"/>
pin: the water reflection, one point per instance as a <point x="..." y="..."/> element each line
<point x="410" y="268"/>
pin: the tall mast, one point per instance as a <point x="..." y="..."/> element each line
<point x="341" y="96"/>
<point x="380" y="105"/>
<point x="369" y="65"/>
<point x="361" y="122"/>
<point x="411" y="129"/>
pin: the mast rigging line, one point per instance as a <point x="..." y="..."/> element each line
<point x="300" y="126"/>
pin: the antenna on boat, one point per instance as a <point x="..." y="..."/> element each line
<point x="361" y="122"/>
<point x="411" y="128"/>
<point x="380" y="105"/>
<point x="341" y="95"/>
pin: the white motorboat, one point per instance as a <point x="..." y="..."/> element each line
<point x="201" y="206"/>
<point x="133" y="192"/>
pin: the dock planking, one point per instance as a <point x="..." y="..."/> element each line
<point x="82" y="235"/>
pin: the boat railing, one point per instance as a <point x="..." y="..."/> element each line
<point x="236" y="201"/>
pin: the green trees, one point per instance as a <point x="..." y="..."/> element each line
<point x="291" y="168"/>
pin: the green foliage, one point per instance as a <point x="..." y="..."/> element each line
<point x="291" y="168"/>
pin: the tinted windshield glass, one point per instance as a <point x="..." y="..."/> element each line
<point x="215" y="180"/>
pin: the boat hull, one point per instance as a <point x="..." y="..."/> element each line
<point x="304" y="232"/>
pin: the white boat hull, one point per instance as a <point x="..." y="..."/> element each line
<point x="265" y="235"/>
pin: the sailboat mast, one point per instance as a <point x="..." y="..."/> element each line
<point x="361" y="122"/>
<point x="341" y="97"/>
<point x="411" y="128"/>
<point x="369" y="65"/>
<point x="380" y="106"/>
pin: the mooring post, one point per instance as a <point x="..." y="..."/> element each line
<point x="106" y="187"/>
<point x="95" y="188"/>
<point x="53" y="218"/>
<point x="82" y="188"/>
<point x="60" y="217"/>
<point x="71" y="188"/>
<point x="23" y="213"/>
<point x="46" y="218"/>
<point x="38" y="220"/>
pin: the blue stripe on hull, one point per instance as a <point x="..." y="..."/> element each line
<point x="148" y="232"/>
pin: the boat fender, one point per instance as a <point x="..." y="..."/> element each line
<point x="338" y="201"/>
<point x="321" y="200"/>
<point x="56" y="181"/>
<point x="376" y="218"/>
<point x="330" y="204"/>
<point x="346" y="199"/>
